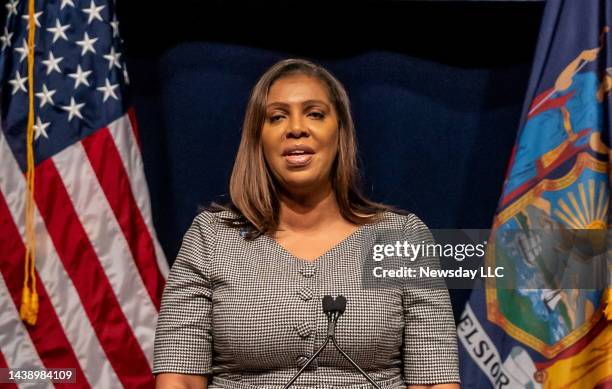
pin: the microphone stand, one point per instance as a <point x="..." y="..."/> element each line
<point x="333" y="308"/>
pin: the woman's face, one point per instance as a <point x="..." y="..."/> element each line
<point x="300" y="133"/>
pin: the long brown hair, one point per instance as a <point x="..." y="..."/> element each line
<point x="254" y="195"/>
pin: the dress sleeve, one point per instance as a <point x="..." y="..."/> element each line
<point x="430" y="341"/>
<point x="183" y="338"/>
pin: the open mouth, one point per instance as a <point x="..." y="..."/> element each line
<point x="298" y="158"/>
<point x="298" y="155"/>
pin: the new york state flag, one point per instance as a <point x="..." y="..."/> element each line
<point x="548" y="322"/>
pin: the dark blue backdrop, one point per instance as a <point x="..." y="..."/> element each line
<point x="436" y="107"/>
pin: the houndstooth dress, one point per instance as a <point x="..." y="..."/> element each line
<point x="249" y="314"/>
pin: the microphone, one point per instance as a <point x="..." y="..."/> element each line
<point x="334" y="305"/>
<point x="333" y="309"/>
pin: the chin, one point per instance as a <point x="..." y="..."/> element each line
<point x="299" y="184"/>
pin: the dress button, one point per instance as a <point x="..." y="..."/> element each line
<point x="303" y="329"/>
<point x="305" y="293"/>
<point x="301" y="360"/>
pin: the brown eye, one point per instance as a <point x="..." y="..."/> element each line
<point x="316" y="115"/>
<point x="275" y="118"/>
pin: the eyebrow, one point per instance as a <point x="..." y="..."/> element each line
<point x="306" y="102"/>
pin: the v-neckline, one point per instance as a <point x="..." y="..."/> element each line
<point x="325" y="254"/>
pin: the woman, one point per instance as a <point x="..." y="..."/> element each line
<point x="242" y="306"/>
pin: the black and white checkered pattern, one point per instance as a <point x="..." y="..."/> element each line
<point x="250" y="313"/>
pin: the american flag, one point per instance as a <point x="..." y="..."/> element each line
<point x="100" y="270"/>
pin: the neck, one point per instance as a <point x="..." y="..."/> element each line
<point x="308" y="211"/>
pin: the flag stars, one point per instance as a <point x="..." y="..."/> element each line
<point x="40" y="128"/>
<point x="11" y="8"/>
<point x="93" y="12"/>
<point x="108" y="90"/>
<point x="6" y="39"/>
<point x="113" y="58"/>
<point x="115" y="25"/>
<point x="52" y="63"/>
<point x="59" y="31"/>
<point x="80" y="77"/>
<point x="73" y="109"/>
<point x="18" y="83"/>
<point x="87" y="44"/>
<point x="45" y="96"/>
<point x="65" y="3"/>
<point x="36" y="16"/>
<point x="23" y="50"/>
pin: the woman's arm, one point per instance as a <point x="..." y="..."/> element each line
<point x="180" y="381"/>
<point x="182" y="354"/>
<point x="430" y="355"/>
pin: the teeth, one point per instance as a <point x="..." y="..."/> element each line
<point x="298" y="152"/>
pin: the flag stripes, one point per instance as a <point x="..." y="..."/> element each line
<point x="61" y="291"/>
<point x="109" y="243"/>
<point x="89" y="217"/>
<point x="114" y="183"/>
<point x="124" y="132"/>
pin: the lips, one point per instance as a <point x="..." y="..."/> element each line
<point x="298" y="155"/>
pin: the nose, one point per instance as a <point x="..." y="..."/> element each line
<point x="296" y="127"/>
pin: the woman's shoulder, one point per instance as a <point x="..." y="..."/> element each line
<point x="209" y="229"/>
<point x="404" y="220"/>
<point x="403" y="224"/>
<point x="214" y="219"/>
